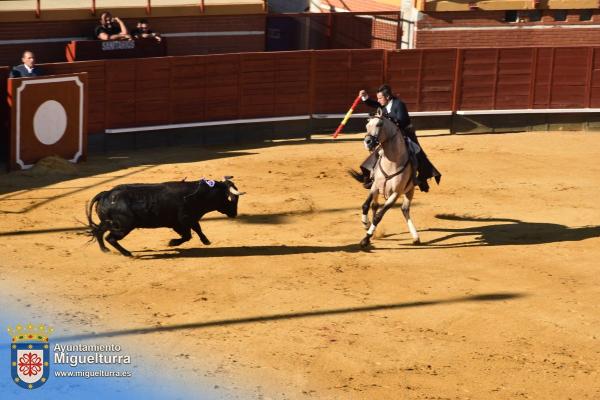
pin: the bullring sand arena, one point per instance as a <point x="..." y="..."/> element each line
<point x="499" y="302"/>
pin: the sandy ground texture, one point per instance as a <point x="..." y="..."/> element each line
<point x="500" y="301"/>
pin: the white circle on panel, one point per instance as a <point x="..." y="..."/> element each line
<point x="50" y="122"/>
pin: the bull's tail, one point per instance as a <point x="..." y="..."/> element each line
<point x="356" y="175"/>
<point x="94" y="229"/>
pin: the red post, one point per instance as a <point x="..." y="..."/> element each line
<point x="419" y="80"/>
<point x="239" y="69"/>
<point x="533" y="77"/>
<point x="588" y="80"/>
<point x="38" y="9"/>
<point x="399" y="32"/>
<point x="496" y="77"/>
<point x="93" y="7"/>
<point x="311" y="82"/>
<point x="149" y="7"/>
<point x="202" y="6"/>
<point x="456" y="88"/>
<point x="384" y="71"/>
<point x="551" y="83"/>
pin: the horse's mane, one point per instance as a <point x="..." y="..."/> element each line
<point x="386" y="121"/>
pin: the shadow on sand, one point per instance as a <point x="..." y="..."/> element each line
<point x="244" y="251"/>
<point x="119" y="161"/>
<point x="505" y="231"/>
<point x="291" y="316"/>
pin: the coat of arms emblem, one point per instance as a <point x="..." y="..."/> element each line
<point x="30" y="355"/>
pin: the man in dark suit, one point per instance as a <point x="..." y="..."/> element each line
<point x="395" y="109"/>
<point x="28" y="67"/>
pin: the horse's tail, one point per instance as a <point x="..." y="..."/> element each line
<point x="94" y="229"/>
<point x="356" y="175"/>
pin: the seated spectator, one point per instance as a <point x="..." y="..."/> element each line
<point x="143" y="31"/>
<point x="111" y="28"/>
<point x="28" y="67"/>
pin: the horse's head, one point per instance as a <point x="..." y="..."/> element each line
<point x="379" y="130"/>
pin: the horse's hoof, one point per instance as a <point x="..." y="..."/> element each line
<point x="105" y="249"/>
<point x="365" y="242"/>
<point x="366" y="225"/>
<point x="205" y="242"/>
<point x="174" y="242"/>
<point x="416" y="242"/>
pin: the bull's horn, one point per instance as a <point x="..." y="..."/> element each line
<point x="235" y="192"/>
<point x="228" y="177"/>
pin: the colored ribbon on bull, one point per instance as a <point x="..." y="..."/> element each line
<point x="348" y="114"/>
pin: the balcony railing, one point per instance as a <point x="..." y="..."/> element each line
<point x="148" y="6"/>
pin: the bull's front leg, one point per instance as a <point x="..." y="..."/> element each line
<point x="201" y="235"/>
<point x="185" y="233"/>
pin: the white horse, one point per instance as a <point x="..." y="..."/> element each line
<point x="392" y="175"/>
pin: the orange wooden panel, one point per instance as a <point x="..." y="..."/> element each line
<point x="152" y="94"/>
<point x="436" y="80"/>
<point x="403" y="71"/>
<point x="120" y="93"/>
<point x="48" y="118"/>
<point x="331" y="76"/>
<point x="292" y="83"/>
<point x="187" y="87"/>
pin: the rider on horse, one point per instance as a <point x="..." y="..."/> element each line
<point x="395" y="109"/>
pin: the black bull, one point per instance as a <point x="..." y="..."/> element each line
<point x="175" y="205"/>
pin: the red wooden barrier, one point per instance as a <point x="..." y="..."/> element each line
<point x="521" y="78"/>
<point x="338" y="75"/>
<point x="174" y="90"/>
<point x="594" y="75"/>
<point x="365" y="72"/>
<point x="187" y="83"/>
<point x="292" y="87"/>
<point x="120" y="93"/>
<point x="513" y="78"/>
<point x="222" y="87"/>
<point x="257" y="85"/>
<point x="569" y="78"/>
<point x="424" y="79"/>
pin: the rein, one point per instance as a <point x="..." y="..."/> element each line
<point x="388" y="177"/>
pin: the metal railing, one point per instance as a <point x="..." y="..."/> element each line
<point x="148" y="7"/>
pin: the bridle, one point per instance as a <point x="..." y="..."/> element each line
<point x="378" y="128"/>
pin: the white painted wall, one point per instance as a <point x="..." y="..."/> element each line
<point x="409" y="20"/>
